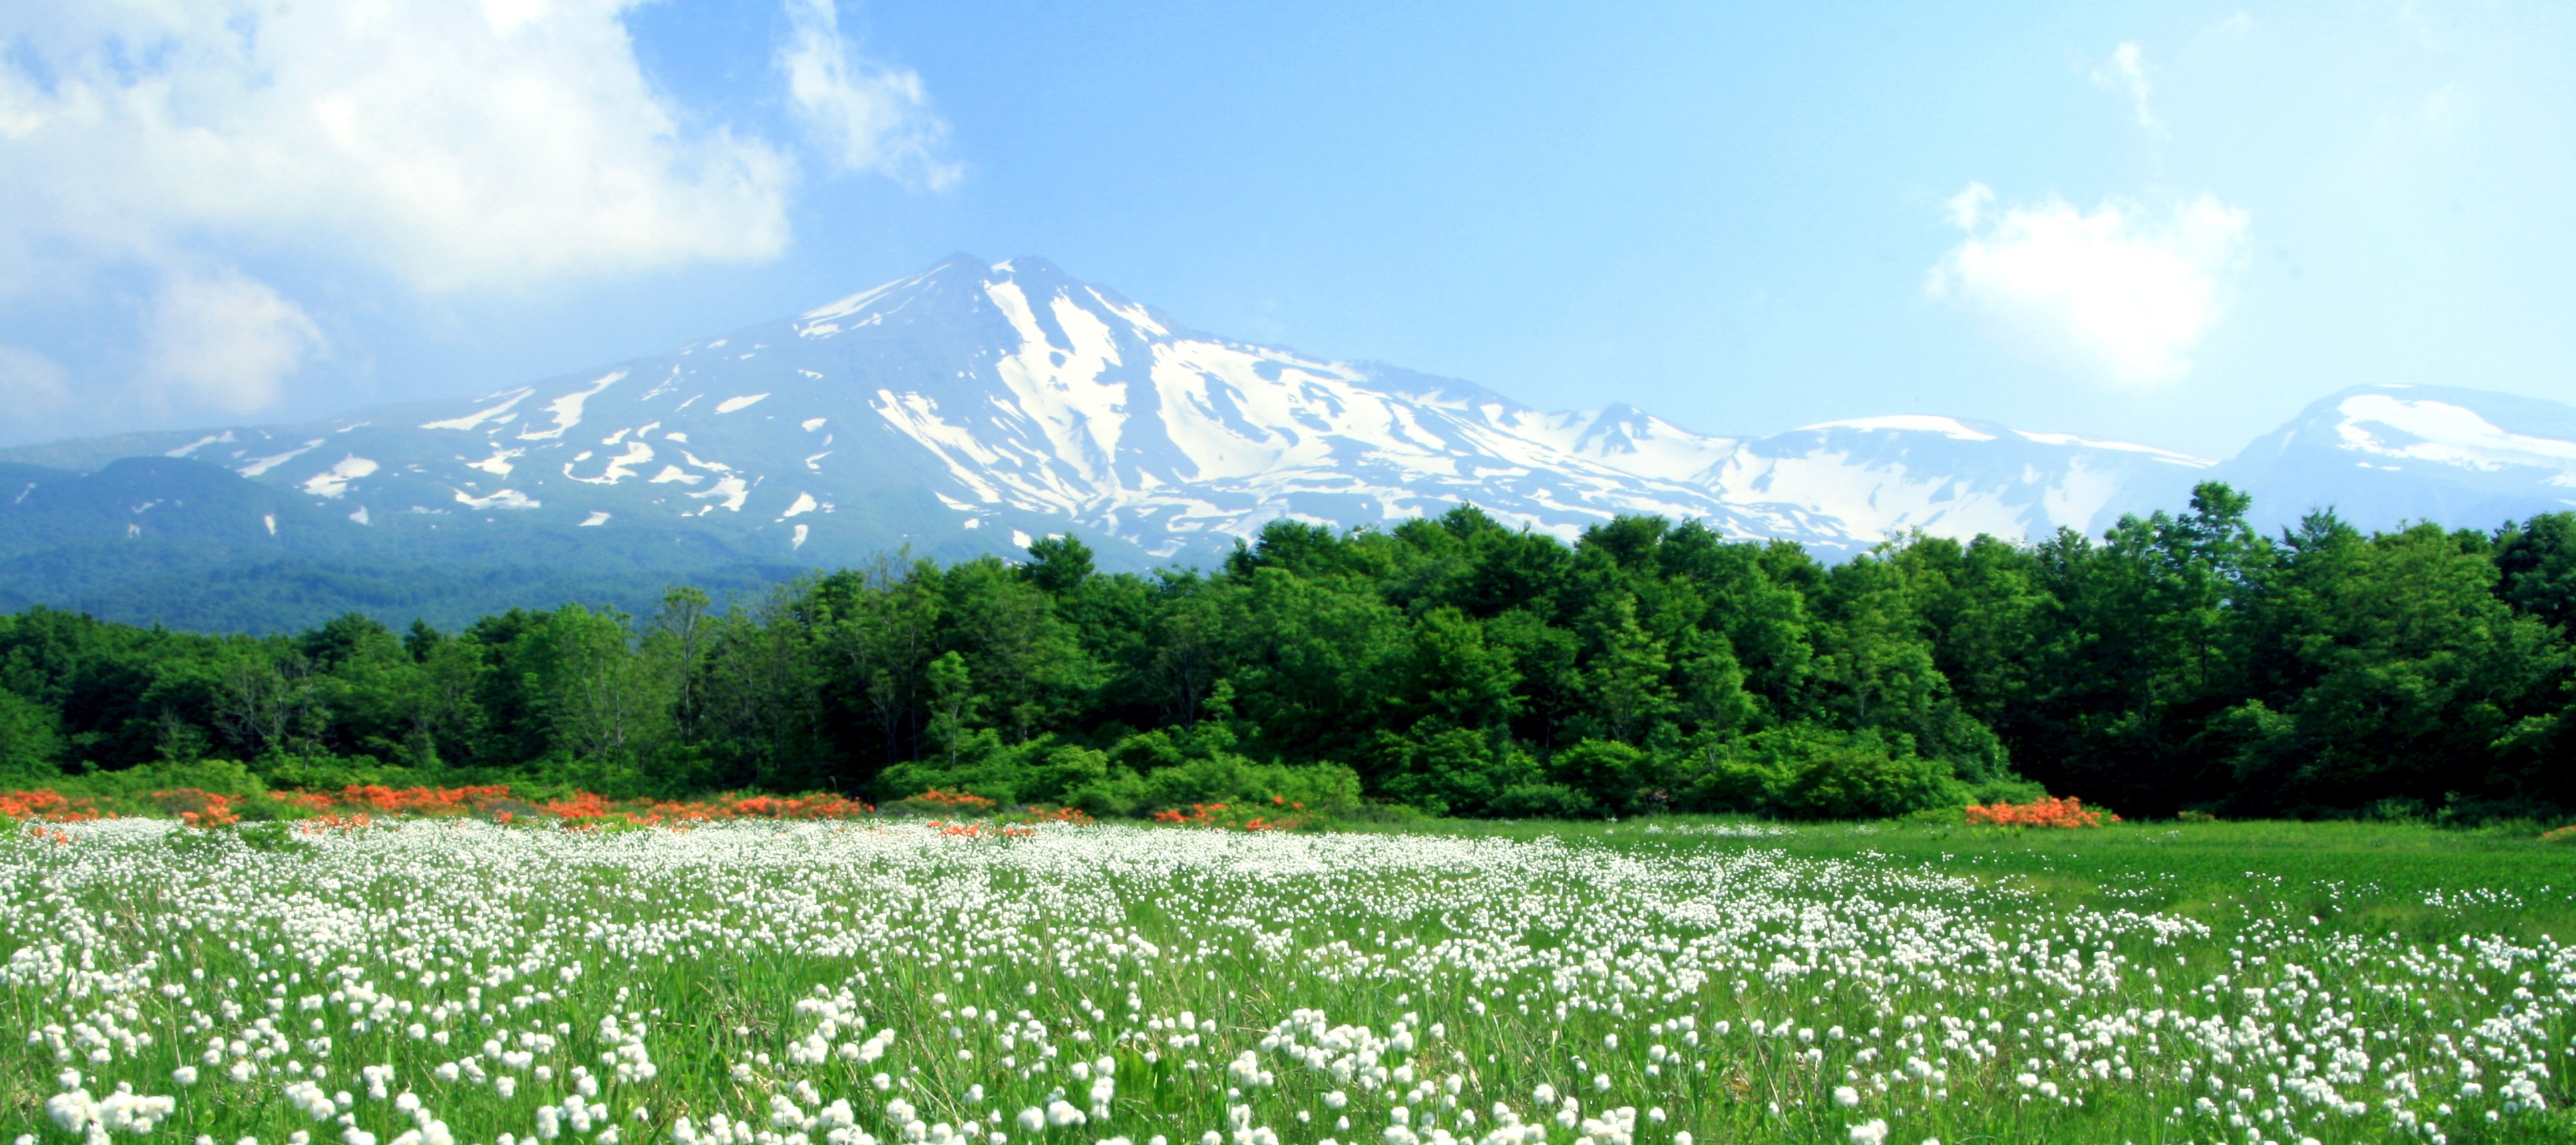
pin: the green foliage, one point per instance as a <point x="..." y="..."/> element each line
<point x="29" y="741"/>
<point x="1137" y="775"/>
<point x="1807" y="771"/>
<point x="221" y="776"/>
<point x="1455" y="665"/>
<point x="1039" y="772"/>
<point x="272" y="837"/>
<point x="1457" y="771"/>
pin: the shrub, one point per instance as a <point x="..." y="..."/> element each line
<point x="1617" y="778"/>
<point x="195" y="807"/>
<point x="1455" y="771"/>
<point x="1542" y="801"/>
<point x="1040" y="771"/>
<point x="1803" y="771"/>
<point x="942" y="804"/>
<point x="1321" y="789"/>
<point x="325" y="772"/>
<point x="2069" y="812"/>
<point x="1135" y="777"/>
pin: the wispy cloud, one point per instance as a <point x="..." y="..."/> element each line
<point x="224" y="342"/>
<point x="2126" y="72"/>
<point x="866" y="116"/>
<point x="2120" y="291"/>
<point x="30" y="381"/>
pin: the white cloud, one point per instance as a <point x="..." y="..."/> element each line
<point x="869" y="117"/>
<point x="458" y="144"/>
<point x="2126" y="72"/>
<point x="2117" y="290"/>
<point x="224" y="342"/>
<point x="30" y="381"/>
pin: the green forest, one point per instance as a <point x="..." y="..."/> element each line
<point x="2182" y="662"/>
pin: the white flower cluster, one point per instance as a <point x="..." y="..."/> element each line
<point x="839" y="984"/>
<point x="123" y="1111"/>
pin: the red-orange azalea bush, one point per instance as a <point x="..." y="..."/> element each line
<point x="2047" y="812"/>
<point x="1282" y="815"/>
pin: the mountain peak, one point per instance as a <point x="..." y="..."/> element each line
<point x="958" y="409"/>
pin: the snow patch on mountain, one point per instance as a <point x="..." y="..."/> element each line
<point x="567" y="409"/>
<point x="489" y="413"/>
<point x="334" y="482"/>
<point x="1949" y="427"/>
<point x="260" y="465"/>
<point x="505" y="499"/>
<point x="2389" y="426"/>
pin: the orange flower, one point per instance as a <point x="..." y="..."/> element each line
<point x="2042" y="812"/>
<point x="1225" y="816"/>
<point x="48" y="805"/>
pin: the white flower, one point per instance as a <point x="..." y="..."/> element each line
<point x="1847" y="1097"/>
<point x="184" y="1075"/>
<point x="1874" y="1133"/>
<point x="71" y="1112"/>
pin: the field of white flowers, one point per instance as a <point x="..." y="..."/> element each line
<point x="449" y="982"/>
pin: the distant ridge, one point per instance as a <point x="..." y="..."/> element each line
<point x="971" y="407"/>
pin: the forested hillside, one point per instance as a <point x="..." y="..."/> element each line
<point x="2183" y="661"/>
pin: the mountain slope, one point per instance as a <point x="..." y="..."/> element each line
<point x="182" y="542"/>
<point x="2383" y="456"/>
<point x="969" y="407"/>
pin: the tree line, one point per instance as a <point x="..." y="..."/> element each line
<point x="2181" y="661"/>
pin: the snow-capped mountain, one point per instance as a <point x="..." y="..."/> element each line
<point x="2382" y="456"/>
<point x="970" y="406"/>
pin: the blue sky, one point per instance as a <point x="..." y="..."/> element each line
<point x="2170" y="223"/>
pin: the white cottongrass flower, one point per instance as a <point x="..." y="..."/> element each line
<point x="1680" y="966"/>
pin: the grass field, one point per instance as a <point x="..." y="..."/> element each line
<point x="1645" y="982"/>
